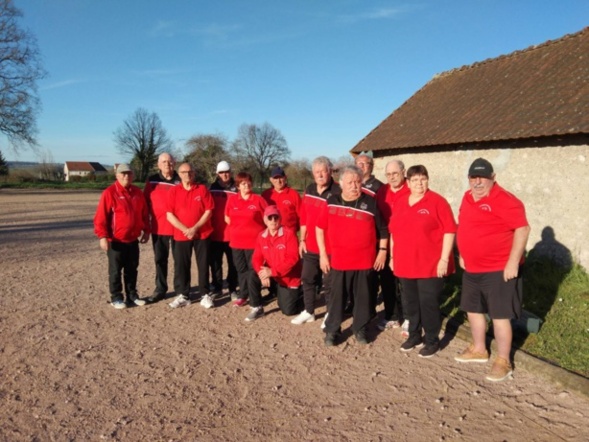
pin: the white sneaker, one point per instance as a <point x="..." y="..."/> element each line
<point x="255" y="313"/>
<point x="405" y="329"/>
<point x="180" y="301"/>
<point x="303" y="317"/>
<point x="139" y="302"/>
<point x="206" y="301"/>
<point x="119" y="305"/>
<point x="323" y="323"/>
<point x="234" y="296"/>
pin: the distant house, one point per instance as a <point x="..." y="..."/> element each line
<point x="82" y="169"/>
<point x="527" y="112"/>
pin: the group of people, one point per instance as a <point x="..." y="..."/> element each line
<point x="347" y="240"/>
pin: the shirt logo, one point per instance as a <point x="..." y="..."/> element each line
<point x="485" y="207"/>
<point x="252" y="207"/>
<point x="281" y="247"/>
<point x="363" y="206"/>
<point x="197" y="198"/>
<point x="423" y="212"/>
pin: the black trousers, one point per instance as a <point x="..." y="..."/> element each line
<point x="161" y="253"/>
<point x="182" y="262"/>
<point x="390" y="287"/>
<point x="422" y="307"/>
<point x="218" y="249"/>
<point x="353" y="284"/>
<point x="123" y="260"/>
<point x="290" y="299"/>
<point x="312" y="277"/>
<point x="249" y="283"/>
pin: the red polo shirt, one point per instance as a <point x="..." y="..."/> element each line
<point x="386" y="199"/>
<point x="189" y="206"/>
<point x="247" y="220"/>
<point x="288" y="202"/>
<point x="486" y="228"/>
<point x="418" y="234"/>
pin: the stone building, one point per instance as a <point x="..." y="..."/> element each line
<point x="528" y="113"/>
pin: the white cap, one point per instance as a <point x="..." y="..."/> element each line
<point x="223" y="166"/>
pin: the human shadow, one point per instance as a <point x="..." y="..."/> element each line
<point x="547" y="264"/>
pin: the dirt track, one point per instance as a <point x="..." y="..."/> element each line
<point x="73" y="368"/>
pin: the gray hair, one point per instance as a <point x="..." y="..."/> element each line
<point x="350" y="169"/>
<point x="399" y="163"/>
<point x="322" y="161"/>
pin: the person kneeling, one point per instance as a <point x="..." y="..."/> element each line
<point x="276" y="258"/>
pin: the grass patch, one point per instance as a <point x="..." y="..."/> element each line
<point x="560" y="297"/>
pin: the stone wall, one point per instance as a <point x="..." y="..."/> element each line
<point x="552" y="182"/>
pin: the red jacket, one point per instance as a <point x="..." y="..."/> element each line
<point x="281" y="254"/>
<point x="121" y="214"/>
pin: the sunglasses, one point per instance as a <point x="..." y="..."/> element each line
<point x="273" y="217"/>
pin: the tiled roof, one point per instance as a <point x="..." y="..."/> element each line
<point x="540" y="91"/>
<point x="84" y="166"/>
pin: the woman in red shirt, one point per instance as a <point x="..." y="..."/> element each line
<point x="244" y="214"/>
<point x="422" y="230"/>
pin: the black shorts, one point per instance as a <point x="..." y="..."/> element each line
<point x="489" y="293"/>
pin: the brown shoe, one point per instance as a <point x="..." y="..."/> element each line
<point x="469" y="355"/>
<point x="500" y="370"/>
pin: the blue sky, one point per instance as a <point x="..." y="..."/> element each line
<point x="323" y="72"/>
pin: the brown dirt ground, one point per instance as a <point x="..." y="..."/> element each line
<point x="73" y="368"/>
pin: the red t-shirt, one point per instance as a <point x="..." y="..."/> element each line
<point x="281" y="254"/>
<point x="247" y="220"/>
<point x="189" y="206"/>
<point x="418" y="234"/>
<point x="352" y="229"/>
<point x="220" y="196"/>
<point x="288" y="202"/>
<point x="386" y="199"/>
<point x="486" y="228"/>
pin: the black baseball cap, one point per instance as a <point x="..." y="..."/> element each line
<point x="481" y="168"/>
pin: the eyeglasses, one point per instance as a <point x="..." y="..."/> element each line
<point x="273" y="217"/>
<point x="391" y="175"/>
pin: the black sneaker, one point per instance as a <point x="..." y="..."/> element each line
<point x="361" y="337"/>
<point x="155" y="298"/>
<point x="330" y="339"/>
<point x="411" y="343"/>
<point x="429" y="350"/>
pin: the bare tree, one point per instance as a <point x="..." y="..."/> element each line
<point x="47" y="169"/>
<point x="204" y="152"/>
<point x="262" y="147"/>
<point x="142" y="137"/>
<point x="20" y="68"/>
<point x="299" y="174"/>
<point x="3" y="165"/>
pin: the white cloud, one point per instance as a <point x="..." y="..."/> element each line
<point x="378" y="14"/>
<point x="61" y="84"/>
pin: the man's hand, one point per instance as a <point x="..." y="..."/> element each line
<point x="104" y="244"/>
<point x="324" y="263"/>
<point x="302" y="248"/>
<point x="380" y="260"/>
<point x="510" y="271"/>
<point x="144" y="238"/>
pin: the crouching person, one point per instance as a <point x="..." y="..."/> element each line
<point x="276" y="257"/>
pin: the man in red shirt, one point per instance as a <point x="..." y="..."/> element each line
<point x="276" y="258"/>
<point x="354" y="257"/>
<point x="156" y="194"/>
<point x="121" y="217"/>
<point x="221" y="189"/>
<point x="285" y="198"/>
<point x="370" y="184"/>
<point x="386" y="197"/>
<point x="492" y="236"/>
<point x="314" y="200"/>
<point x="190" y="206"/>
